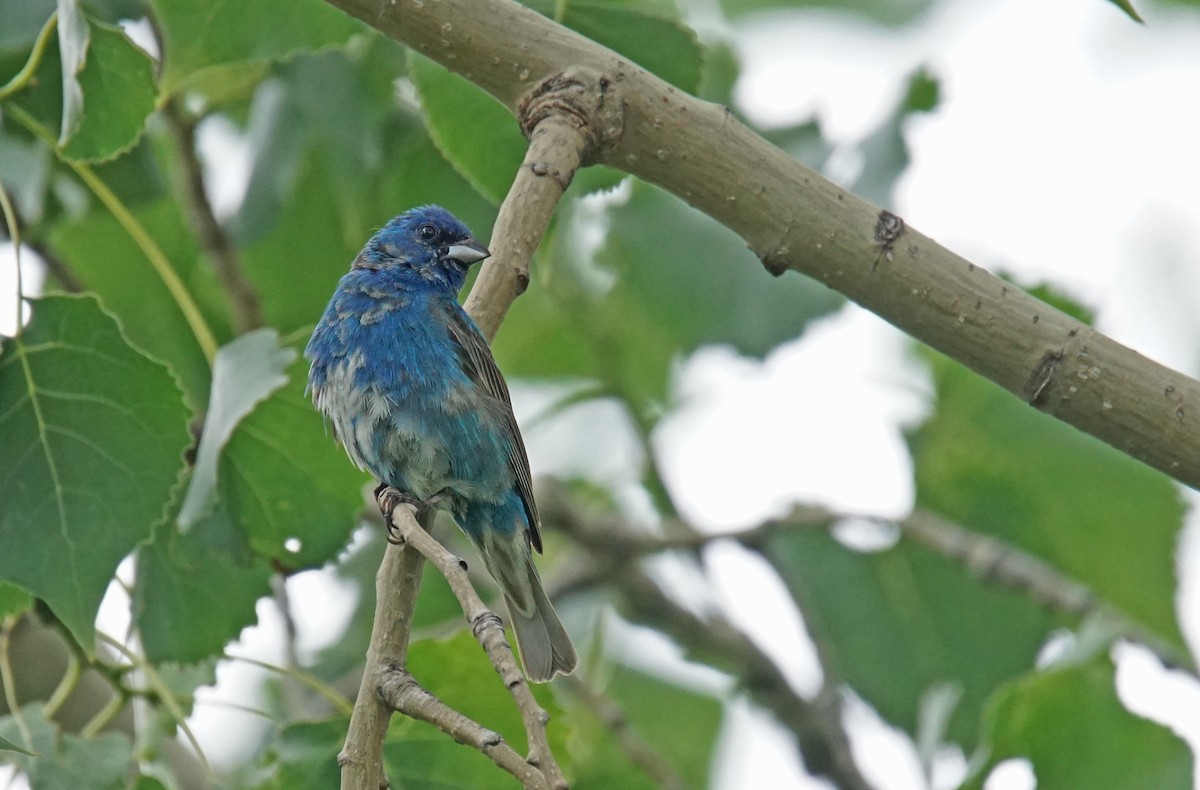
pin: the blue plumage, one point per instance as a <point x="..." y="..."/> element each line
<point x="414" y="395"/>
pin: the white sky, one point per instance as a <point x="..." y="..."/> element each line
<point x="1064" y="149"/>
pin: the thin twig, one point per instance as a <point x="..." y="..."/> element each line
<point x="992" y="560"/>
<point x="396" y="585"/>
<point x="817" y="725"/>
<point x="556" y="149"/>
<point x="214" y="241"/>
<point x="486" y="626"/>
<point x="639" y="752"/>
<point x="400" y="690"/>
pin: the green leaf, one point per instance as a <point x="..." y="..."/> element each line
<point x="195" y="592"/>
<point x="419" y="757"/>
<point x="117" y="95"/>
<point x="896" y="623"/>
<point x="416" y="755"/>
<point x="13" y="600"/>
<point x="203" y="34"/>
<point x="719" y="74"/>
<point x="476" y="133"/>
<point x="95" y="433"/>
<point x="1051" y="295"/>
<point x="885" y="151"/>
<point x="334" y="106"/>
<point x="457" y="671"/>
<point x="8" y="746"/>
<point x="882" y="12"/>
<point x="422" y="175"/>
<point x="684" y="281"/>
<point x="111" y="264"/>
<point x="1128" y="8"/>
<point x="25" y="173"/>
<point x="73" y="38"/>
<point x="804" y="142"/>
<point x="64" y="760"/>
<point x="20" y="23"/>
<point x="306" y="252"/>
<point x="654" y="39"/>
<point x="304" y="755"/>
<point x="700" y="283"/>
<point x="436" y="605"/>
<point x="540" y="337"/>
<point x="991" y="463"/>
<point x="319" y="235"/>
<point x="674" y="291"/>
<point x="245" y="373"/>
<point x="1069" y="723"/>
<point x="285" y="482"/>
<point x="680" y="725"/>
<point x="266" y="475"/>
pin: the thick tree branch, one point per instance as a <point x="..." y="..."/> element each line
<point x="795" y="219"/>
<point x="488" y="630"/>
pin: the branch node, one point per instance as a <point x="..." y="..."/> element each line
<point x="579" y="97"/>
<point x="1042" y="376"/>
<point x="484" y="621"/>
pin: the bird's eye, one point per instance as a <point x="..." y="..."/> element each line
<point x="427" y="232"/>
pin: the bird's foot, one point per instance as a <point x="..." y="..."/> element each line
<point x="390" y="498"/>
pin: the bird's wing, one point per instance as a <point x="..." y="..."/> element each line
<point x="480" y="366"/>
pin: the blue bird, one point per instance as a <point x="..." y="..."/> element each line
<point x="414" y="396"/>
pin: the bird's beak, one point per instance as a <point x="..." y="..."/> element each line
<point x="467" y="252"/>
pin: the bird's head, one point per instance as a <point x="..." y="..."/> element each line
<point x="429" y="242"/>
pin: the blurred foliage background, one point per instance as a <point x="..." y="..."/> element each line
<point x="173" y="316"/>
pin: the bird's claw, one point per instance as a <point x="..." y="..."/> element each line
<point x="390" y="498"/>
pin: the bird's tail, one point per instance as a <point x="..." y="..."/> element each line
<point x="545" y="648"/>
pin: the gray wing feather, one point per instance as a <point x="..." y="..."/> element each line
<point x="480" y="366"/>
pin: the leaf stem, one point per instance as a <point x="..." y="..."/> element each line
<point x="22" y="77"/>
<point x="6" y="675"/>
<point x="103" y="717"/>
<point x="164" y="693"/>
<point x="187" y="306"/>
<point x="339" y="702"/>
<point x="70" y="680"/>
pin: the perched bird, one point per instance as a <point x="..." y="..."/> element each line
<point x="414" y="395"/>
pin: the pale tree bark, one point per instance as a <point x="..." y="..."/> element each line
<point x="793" y="218"/>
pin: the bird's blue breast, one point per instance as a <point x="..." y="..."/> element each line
<point x="385" y="372"/>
